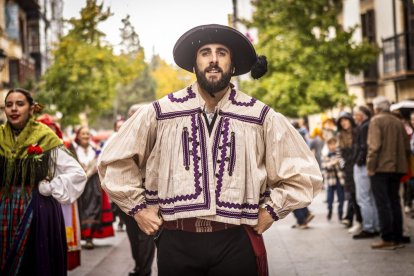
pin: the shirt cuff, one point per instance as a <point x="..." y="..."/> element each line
<point x="272" y="212"/>
<point x="137" y="208"/>
<point x="45" y="188"/>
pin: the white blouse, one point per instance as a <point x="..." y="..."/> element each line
<point x="87" y="156"/>
<point x="68" y="182"/>
<point x="165" y="157"/>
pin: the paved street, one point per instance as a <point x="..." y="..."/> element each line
<point x="324" y="249"/>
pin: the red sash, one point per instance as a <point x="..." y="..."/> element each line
<point x="259" y="250"/>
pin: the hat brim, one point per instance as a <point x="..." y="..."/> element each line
<point x="242" y="50"/>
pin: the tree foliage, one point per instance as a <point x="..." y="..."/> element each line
<point x="82" y="77"/>
<point x="86" y="72"/>
<point x="168" y="79"/>
<point x="308" y="53"/>
<point x="142" y="87"/>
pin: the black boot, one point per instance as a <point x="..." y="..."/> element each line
<point x="329" y="216"/>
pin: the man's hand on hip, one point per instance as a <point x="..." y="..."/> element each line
<point x="264" y="222"/>
<point x="148" y="220"/>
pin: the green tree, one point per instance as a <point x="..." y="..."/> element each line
<point x="168" y="78"/>
<point x="308" y="54"/>
<point x="85" y="28"/>
<point x="85" y="72"/>
<point x="142" y="86"/>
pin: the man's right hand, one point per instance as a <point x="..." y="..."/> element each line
<point x="148" y="220"/>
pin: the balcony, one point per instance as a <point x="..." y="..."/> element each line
<point x="21" y="70"/>
<point x="398" y="56"/>
<point x="28" y="5"/>
<point x="368" y="77"/>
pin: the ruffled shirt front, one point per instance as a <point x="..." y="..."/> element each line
<point x="166" y="156"/>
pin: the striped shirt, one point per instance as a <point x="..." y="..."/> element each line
<point x="165" y="157"/>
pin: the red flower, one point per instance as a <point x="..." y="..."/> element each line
<point x="34" y="149"/>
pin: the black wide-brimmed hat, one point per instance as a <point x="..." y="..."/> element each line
<point x="244" y="56"/>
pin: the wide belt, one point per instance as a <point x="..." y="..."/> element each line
<point x="196" y="225"/>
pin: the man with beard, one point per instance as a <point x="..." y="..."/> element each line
<point x="208" y="169"/>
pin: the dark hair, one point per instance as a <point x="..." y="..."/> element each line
<point x="332" y="140"/>
<point x="117" y="121"/>
<point x="22" y="91"/>
<point x="295" y="124"/>
<point x="365" y="110"/>
<point x="77" y="134"/>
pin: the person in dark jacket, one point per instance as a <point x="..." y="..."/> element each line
<point x="346" y="135"/>
<point x="364" y="195"/>
<point x="387" y="162"/>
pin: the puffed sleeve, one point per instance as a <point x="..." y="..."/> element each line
<point x="69" y="179"/>
<point x="293" y="174"/>
<point x="121" y="165"/>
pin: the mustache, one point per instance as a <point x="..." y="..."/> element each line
<point x="213" y="67"/>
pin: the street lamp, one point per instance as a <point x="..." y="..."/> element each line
<point x="2" y="59"/>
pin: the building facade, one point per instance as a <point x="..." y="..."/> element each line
<point x="28" y="29"/>
<point x="390" y="25"/>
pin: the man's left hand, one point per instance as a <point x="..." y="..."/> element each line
<point x="264" y="222"/>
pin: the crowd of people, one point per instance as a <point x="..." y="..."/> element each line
<point x="365" y="158"/>
<point x="51" y="197"/>
<point x="206" y="166"/>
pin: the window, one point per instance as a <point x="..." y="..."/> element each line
<point x="368" y="25"/>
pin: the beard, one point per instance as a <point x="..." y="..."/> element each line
<point x="214" y="86"/>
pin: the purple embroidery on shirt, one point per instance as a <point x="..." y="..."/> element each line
<point x="196" y="160"/>
<point x="216" y="143"/>
<point x="136" y="209"/>
<point x="263" y="196"/>
<point x="204" y="160"/>
<point x="232" y="161"/>
<point x="152" y="201"/>
<point x="195" y="129"/>
<point x="237" y="215"/>
<point x="190" y="95"/>
<point x="171" y="115"/>
<point x="186" y="151"/>
<point x="204" y="175"/>
<point x="151" y="193"/>
<point x="183" y="208"/>
<point x="225" y="133"/>
<point x="233" y="100"/>
<point x="238" y="205"/>
<point x="249" y="119"/>
<point x="271" y="212"/>
<point x="151" y="197"/>
<point x="223" y="153"/>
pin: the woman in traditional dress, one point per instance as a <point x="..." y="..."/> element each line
<point x="70" y="211"/>
<point x="94" y="206"/>
<point x="36" y="173"/>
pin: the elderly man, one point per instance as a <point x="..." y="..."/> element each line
<point x="388" y="149"/>
<point x="208" y="168"/>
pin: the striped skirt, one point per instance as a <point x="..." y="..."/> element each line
<point x="33" y="240"/>
<point x="95" y="211"/>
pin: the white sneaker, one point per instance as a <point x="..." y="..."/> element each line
<point x="356" y="228"/>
